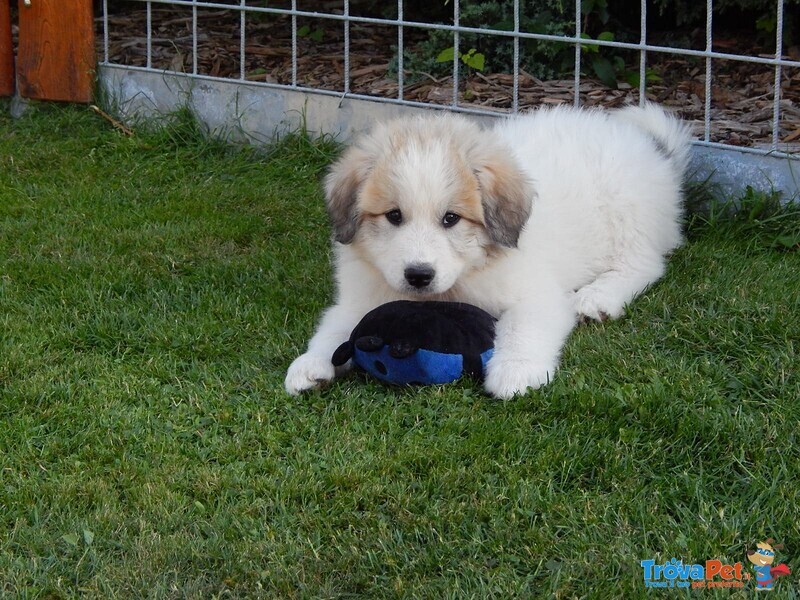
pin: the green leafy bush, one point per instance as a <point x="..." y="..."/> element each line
<point x="601" y="20"/>
<point x="542" y="59"/>
<point x="472" y="58"/>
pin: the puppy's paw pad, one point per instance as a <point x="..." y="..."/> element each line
<point x="592" y="304"/>
<point x="508" y="378"/>
<point x="585" y="320"/>
<point x="307" y="372"/>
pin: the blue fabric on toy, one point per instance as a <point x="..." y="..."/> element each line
<point x="407" y="342"/>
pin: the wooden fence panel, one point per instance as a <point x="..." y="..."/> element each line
<point x="56" y="55"/>
<point x="6" y="50"/>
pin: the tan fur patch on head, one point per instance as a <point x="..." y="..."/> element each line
<point x="381" y="191"/>
<point x="377" y="197"/>
<point x="467" y="201"/>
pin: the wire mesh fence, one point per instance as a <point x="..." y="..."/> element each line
<point x="738" y="93"/>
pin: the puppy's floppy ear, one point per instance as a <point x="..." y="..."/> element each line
<point x="506" y="195"/>
<point x="341" y="192"/>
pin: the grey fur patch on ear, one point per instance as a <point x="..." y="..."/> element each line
<point x="507" y="198"/>
<point x="342" y="185"/>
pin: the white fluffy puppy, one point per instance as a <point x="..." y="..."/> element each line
<point x="541" y="219"/>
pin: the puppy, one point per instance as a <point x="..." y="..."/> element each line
<point x="542" y="219"/>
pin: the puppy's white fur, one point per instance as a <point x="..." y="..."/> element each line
<point x="565" y="213"/>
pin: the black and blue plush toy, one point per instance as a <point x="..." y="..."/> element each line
<point x="421" y="342"/>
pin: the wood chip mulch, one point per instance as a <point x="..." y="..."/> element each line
<point x="741" y="98"/>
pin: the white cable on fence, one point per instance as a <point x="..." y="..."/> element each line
<point x="643" y="54"/>
<point x="242" y="41"/>
<point x="105" y="30"/>
<point x="515" y="91"/>
<point x="194" y="39"/>
<point x="294" y="43"/>
<point x="456" y="49"/>
<point x="400" y="51"/>
<point x="776" y="107"/>
<point x="709" y="48"/>
<point x="149" y="49"/>
<point x="346" y="47"/>
<point x="577" y="75"/>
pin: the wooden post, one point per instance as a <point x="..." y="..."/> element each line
<point x="6" y="50"/>
<point x="56" y="55"/>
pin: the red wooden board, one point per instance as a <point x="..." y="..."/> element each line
<point x="6" y="51"/>
<point x="55" y="58"/>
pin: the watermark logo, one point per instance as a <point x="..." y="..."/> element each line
<point x="710" y="574"/>
<point x="715" y="573"/>
<point x="762" y="558"/>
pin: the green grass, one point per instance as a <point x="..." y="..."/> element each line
<point x="153" y="291"/>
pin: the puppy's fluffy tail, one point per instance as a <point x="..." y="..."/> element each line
<point x="671" y="135"/>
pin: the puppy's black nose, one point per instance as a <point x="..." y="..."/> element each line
<point x="419" y="275"/>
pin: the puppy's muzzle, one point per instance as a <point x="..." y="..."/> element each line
<point x="419" y="276"/>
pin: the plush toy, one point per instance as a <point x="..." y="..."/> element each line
<point x="421" y="342"/>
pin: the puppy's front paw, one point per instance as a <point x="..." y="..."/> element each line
<point x="506" y="378"/>
<point x="592" y="303"/>
<point x="308" y="371"/>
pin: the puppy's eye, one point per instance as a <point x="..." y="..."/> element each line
<point x="450" y="219"/>
<point x="395" y="217"/>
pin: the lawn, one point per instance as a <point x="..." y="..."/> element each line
<point x="153" y="291"/>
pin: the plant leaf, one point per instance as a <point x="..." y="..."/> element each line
<point x="477" y="60"/>
<point x="651" y="75"/>
<point x="605" y="71"/>
<point x="88" y="536"/>
<point x="606" y="36"/>
<point x="317" y="35"/>
<point x="446" y="55"/>
<point x="304" y="31"/>
<point x="632" y="78"/>
<point x="589" y="47"/>
<point x="71" y="539"/>
<point x="766" y="24"/>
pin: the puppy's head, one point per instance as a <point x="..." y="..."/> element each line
<point x="426" y="200"/>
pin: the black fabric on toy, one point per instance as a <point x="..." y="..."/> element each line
<point x="421" y="342"/>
